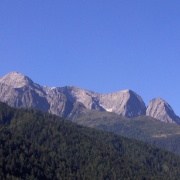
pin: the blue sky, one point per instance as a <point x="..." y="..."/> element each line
<point x="100" y="45"/>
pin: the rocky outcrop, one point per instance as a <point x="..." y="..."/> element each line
<point x="125" y="103"/>
<point x="161" y="110"/>
<point x="16" y="80"/>
<point x="18" y="90"/>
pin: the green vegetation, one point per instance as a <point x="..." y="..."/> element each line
<point x="144" y="128"/>
<point x="37" y="145"/>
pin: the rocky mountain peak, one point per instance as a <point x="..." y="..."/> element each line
<point x="125" y="103"/>
<point x="17" y="90"/>
<point x="16" y="80"/>
<point x="158" y="108"/>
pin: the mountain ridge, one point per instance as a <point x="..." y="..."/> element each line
<point x="161" y="110"/>
<point x="18" y="90"/>
<point x="16" y="80"/>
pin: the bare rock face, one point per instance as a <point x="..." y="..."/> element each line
<point x="15" y="80"/>
<point x="89" y="99"/>
<point x="18" y="90"/>
<point x="125" y="103"/>
<point x="58" y="102"/>
<point x="161" y="110"/>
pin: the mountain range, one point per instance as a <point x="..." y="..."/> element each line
<point x="123" y="112"/>
<point x="18" y="90"/>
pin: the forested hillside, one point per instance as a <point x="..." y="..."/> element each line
<point x="143" y="128"/>
<point x="37" y="145"/>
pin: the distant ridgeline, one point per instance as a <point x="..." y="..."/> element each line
<point x="38" y="145"/>
<point x="68" y="102"/>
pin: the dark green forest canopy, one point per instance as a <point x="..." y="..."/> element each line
<point x="37" y="145"/>
<point x="143" y="128"/>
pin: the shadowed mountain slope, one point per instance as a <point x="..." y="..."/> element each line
<point x="37" y="145"/>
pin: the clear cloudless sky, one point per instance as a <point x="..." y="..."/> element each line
<point x="99" y="45"/>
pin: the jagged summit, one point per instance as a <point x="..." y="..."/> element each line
<point x="158" y="108"/>
<point x="16" y="80"/>
<point x="18" y="90"/>
<point x="125" y="103"/>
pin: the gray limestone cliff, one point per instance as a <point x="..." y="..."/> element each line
<point x="125" y="103"/>
<point x="18" y="90"/>
<point x="160" y="109"/>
